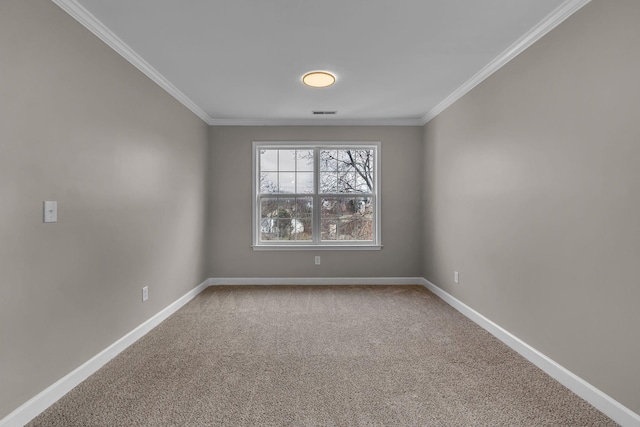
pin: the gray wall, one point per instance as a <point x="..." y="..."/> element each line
<point x="532" y="192"/>
<point x="230" y="197"/>
<point x="529" y="185"/>
<point x="127" y="165"/>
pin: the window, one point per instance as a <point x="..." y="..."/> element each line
<point x="316" y="195"/>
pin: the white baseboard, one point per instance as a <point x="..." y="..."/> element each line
<point x="604" y="403"/>
<point x="222" y="281"/>
<point x="50" y="395"/>
<point x="613" y="409"/>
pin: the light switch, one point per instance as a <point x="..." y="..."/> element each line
<point x="50" y="211"/>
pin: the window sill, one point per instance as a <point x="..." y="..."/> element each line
<point x="316" y="247"/>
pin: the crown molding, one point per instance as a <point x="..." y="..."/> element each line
<point x="316" y="122"/>
<point x="91" y="23"/>
<point x="85" y="18"/>
<point x="555" y="18"/>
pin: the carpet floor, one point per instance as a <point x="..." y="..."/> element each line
<point x="319" y="356"/>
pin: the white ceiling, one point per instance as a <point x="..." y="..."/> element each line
<point x="396" y="62"/>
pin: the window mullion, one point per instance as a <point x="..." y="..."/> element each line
<point x="316" y="198"/>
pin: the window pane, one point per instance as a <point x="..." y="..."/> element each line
<point x="283" y="229"/>
<point x="268" y="160"/>
<point x="356" y="172"/>
<point x="329" y="230"/>
<point x="271" y="207"/>
<point x="345" y="230"/>
<point x="347" y="218"/>
<point x="353" y="171"/>
<point x="287" y="182"/>
<point x="345" y="161"/>
<point x="267" y="227"/>
<point x="302" y="229"/>
<point x="286" y="218"/>
<point x="275" y="218"/>
<point x="346" y="182"/>
<point x="369" y="159"/>
<point x="328" y="160"/>
<point x="304" y="182"/>
<point x="330" y="208"/>
<point x="362" y="159"/>
<point x="287" y="160"/>
<point x="364" y="230"/>
<point x="275" y="229"/>
<point x="302" y="224"/>
<point x="268" y="207"/>
<point x="328" y="182"/>
<point x="362" y="185"/>
<point x="305" y="160"/>
<point x="286" y="207"/>
<point x="304" y="207"/>
<point x="269" y="182"/>
<point x="355" y="229"/>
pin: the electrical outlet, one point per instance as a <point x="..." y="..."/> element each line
<point x="317" y="260"/>
<point x="50" y="211"/>
<point x="145" y="293"/>
<point x="456" y="277"/>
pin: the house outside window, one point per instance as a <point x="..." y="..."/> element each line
<point x="316" y="195"/>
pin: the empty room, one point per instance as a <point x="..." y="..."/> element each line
<point x="297" y="213"/>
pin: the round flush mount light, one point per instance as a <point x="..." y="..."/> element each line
<point x="319" y="79"/>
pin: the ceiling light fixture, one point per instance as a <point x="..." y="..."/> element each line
<point x="319" y="79"/>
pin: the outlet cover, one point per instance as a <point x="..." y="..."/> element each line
<point x="50" y="211"/>
<point x="145" y="293"/>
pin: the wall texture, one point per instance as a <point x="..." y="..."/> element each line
<point x="127" y="165"/>
<point x="532" y="193"/>
<point x="230" y="197"/>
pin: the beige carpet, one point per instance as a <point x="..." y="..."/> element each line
<point x="319" y="356"/>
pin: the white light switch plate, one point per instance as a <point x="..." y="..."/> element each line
<point x="50" y="211"/>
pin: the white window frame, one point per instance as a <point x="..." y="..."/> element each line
<point x="317" y="243"/>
